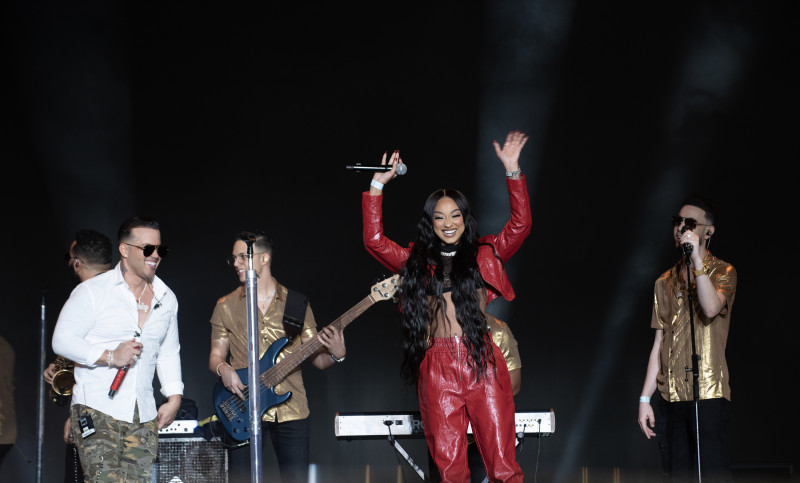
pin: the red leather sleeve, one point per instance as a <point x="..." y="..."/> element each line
<point x="517" y="229"/>
<point x="506" y="243"/>
<point x="388" y="253"/>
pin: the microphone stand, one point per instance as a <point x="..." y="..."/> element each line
<point x="40" y="399"/>
<point x="253" y="379"/>
<point x="695" y="359"/>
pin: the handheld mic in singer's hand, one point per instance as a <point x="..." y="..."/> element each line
<point x="401" y="168"/>
<point x="686" y="248"/>
<point x="118" y="380"/>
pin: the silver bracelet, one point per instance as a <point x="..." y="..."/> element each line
<point x="511" y="174"/>
<point x="109" y="358"/>
<point x="334" y="359"/>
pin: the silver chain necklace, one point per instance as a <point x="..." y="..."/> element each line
<point x="139" y="304"/>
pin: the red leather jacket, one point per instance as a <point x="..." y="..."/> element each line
<point x="505" y="244"/>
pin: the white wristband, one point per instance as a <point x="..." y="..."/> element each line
<point x="644" y="399"/>
<point x="376" y="184"/>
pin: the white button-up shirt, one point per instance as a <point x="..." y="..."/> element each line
<point x="100" y="314"/>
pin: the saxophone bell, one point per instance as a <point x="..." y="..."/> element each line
<point x="63" y="381"/>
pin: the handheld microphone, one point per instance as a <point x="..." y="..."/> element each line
<point x="686" y="248"/>
<point x="118" y="380"/>
<point x="401" y="168"/>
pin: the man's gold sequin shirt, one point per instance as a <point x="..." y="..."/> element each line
<point x="671" y="314"/>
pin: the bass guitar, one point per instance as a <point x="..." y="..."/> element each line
<point x="233" y="411"/>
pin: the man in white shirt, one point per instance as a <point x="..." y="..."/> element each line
<point x="119" y="327"/>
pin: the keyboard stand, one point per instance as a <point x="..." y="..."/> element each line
<point x="393" y="442"/>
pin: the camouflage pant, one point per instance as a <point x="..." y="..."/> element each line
<point x="118" y="451"/>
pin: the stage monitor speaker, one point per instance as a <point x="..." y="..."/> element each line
<point x="192" y="459"/>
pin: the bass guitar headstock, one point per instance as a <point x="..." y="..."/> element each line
<point x="385" y="289"/>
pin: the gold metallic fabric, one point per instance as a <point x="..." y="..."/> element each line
<point x="671" y="314"/>
<point x="504" y="339"/>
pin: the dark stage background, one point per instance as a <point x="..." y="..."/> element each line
<point x="218" y="116"/>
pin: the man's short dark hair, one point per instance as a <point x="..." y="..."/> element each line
<point x="128" y="225"/>
<point x="92" y="247"/>
<point x="704" y="204"/>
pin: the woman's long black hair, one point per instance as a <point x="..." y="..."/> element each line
<point x="423" y="286"/>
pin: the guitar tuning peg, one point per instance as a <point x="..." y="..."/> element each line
<point x="378" y="279"/>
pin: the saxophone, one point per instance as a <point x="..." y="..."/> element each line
<point x="63" y="381"/>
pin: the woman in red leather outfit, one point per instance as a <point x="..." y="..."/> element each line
<point x="449" y="276"/>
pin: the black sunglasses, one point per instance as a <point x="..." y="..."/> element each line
<point x="690" y="223"/>
<point x="148" y="249"/>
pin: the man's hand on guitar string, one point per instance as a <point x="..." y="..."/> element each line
<point x="231" y="381"/>
<point x="333" y="340"/>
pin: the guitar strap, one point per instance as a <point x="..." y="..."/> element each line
<point x="294" y="314"/>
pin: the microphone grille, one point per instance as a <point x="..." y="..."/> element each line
<point x="401" y="169"/>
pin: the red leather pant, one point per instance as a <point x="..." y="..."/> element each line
<point x="450" y="398"/>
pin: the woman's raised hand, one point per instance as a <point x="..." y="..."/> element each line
<point x="383" y="177"/>
<point x="509" y="152"/>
